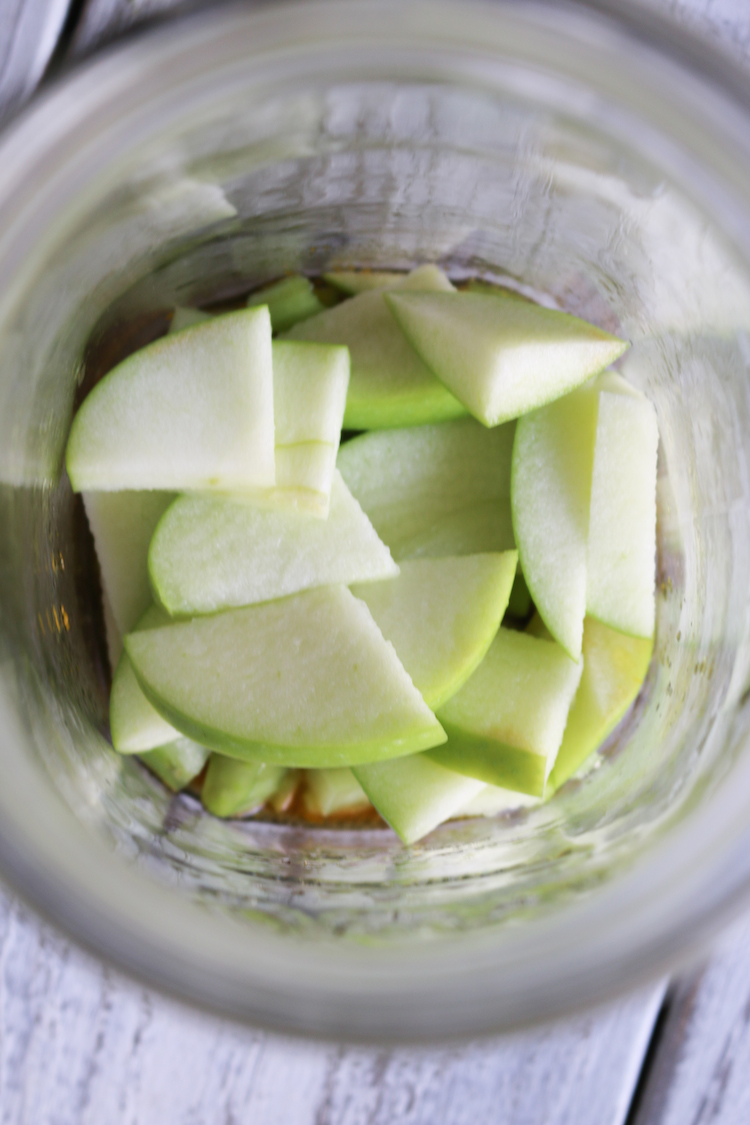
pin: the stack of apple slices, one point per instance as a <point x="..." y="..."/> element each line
<point x="365" y="613"/>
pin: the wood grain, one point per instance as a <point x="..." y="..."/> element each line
<point x="29" y="31"/>
<point x="81" y="1046"/>
<point x="700" y="1070"/>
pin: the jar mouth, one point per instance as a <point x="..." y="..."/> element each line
<point x="222" y="151"/>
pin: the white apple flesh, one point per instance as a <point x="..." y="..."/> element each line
<point x="157" y="421"/>
<point x="502" y="357"/>
<point x="211" y="553"/>
<point x="305" y="681"/>
<point x="441" y="615"/>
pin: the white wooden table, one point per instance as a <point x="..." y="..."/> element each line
<point x="81" y="1046"/>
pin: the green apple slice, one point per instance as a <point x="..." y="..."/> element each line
<point x="134" y="724"/>
<point x="328" y="792"/>
<point x="210" y="553"/>
<point x="474" y="530"/>
<point x="353" y="282"/>
<point x="614" y="668"/>
<point x="285" y="795"/>
<point x="177" y="763"/>
<point x="553" y="458"/>
<point x="122" y="524"/>
<point x="158" y="422"/>
<point x="289" y="301"/>
<point x="490" y="289"/>
<point x="430" y="490"/>
<point x="310" y="382"/>
<point x="415" y="794"/>
<point x="184" y="317"/>
<point x="493" y="800"/>
<point x="309" y="395"/>
<point x="305" y="681"/>
<point x="441" y="616"/>
<point x="305" y="467"/>
<point x="502" y="357"/>
<point x="234" y="788"/>
<point x="506" y="723"/>
<point x="389" y="384"/>
<point x="621" y="557"/>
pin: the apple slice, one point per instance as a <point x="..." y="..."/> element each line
<point x="210" y="552"/>
<point x="441" y="616"/>
<point x="289" y="301"/>
<point x="490" y="289"/>
<point x="553" y="458"/>
<point x="389" y="384"/>
<point x="194" y="410"/>
<point x="506" y="723"/>
<point x="328" y="792"/>
<point x="134" y="724"/>
<point x="430" y="490"/>
<point x="353" y="282"/>
<point x="307" y="467"/>
<point x="493" y="800"/>
<point x="122" y="524"/>
<point x="621" y="557"/>
<point x="177" y="763"/>
<point x="415" y="794"/>
<point x="614" y="668"/>
<point x="305" y="681"/>
<point x="285" y="795"/>
<point x="184" y="317"/>
<point x="234" y="788"/>
<point x="502" y="357"/>
<point x="309" y="395"/>
<point x="310" y="382"/>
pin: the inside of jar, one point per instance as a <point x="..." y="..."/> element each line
<point x="387" y="175"/>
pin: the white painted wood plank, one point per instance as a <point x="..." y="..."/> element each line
<point x="103" y="20"/>
<point x="700" y="1070"/>
<point x="29" y="31"/>
<point x="80" y="1046"/>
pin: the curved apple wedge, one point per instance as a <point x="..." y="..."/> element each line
<point x="614" y="668"/>
<point x="502" y="357"/>
<point x="432" y="490"/>
<point x="309" y="396"/>
<point x="234" y="788"/>
<point x="621" y="558"/>
<point x="122" y="524"/>
<point x="176" y="763"/>
<point x="415" y="794"/>
<point x="506" y="724"/>
<point x="553" y="456"/>
<point x="304" y="681"/>
<point x="389" y="384"/>
<point x="211" y="553"/>
<point x="441" y="616"/>
<point x="194" y="410"/>
<point x="290" y="300"/>
<point x="333" y="792"/>
<point x="352" y="282"/>
<point x="134" y="724"/>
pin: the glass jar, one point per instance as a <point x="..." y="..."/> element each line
<point x="576" y="152"/>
